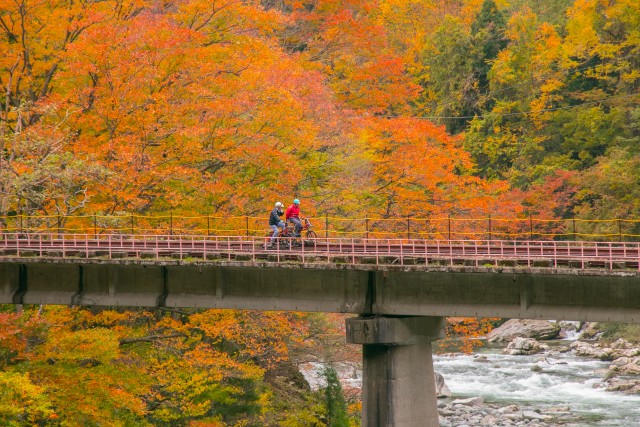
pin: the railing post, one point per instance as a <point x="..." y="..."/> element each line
<point x="326" y="226"/>
<point x="204" y="247"/>
<point x="619" y="231"/>
<point x="366" y="227"/>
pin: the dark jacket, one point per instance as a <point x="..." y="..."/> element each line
<point x="274" y="218"/>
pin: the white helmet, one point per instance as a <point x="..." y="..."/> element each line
<point x="279" y="205"/>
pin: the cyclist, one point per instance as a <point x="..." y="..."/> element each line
<point x="275" y="222"/>
<point x="293" y="215"/>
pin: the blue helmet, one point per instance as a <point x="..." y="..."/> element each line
<point x="296" y="202"/>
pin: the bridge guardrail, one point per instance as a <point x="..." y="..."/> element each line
<point x="403" y="252"/>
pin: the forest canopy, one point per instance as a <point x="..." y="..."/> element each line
<point x="391" y="107"/>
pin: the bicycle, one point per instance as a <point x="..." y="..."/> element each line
<point x="308" y="232"/>
<point x="287" y="238"/>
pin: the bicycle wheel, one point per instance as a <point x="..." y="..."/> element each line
<point x="311" y="235"/>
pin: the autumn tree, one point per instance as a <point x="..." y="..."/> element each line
<point x="21" y="401"/>
<point x="41" y="177"/>
<point x="34" y="154"/>
<point x="403" y="184"/>
<point x="562" y="103"/>
<point x="138" y="367"/>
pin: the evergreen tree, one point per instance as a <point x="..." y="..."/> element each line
<point x="334" y="399"/>
<point x="488" y="34"/>
<point x="451" y="88"/>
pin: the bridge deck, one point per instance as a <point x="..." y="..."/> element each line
<point x="570" y="254"/>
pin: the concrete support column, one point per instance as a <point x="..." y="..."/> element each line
<point x="398" y="384"/>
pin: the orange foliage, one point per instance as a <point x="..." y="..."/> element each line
<point x="411" y="167"/>
<point x="209" y="108"/>
<point x="149" y="366"/>
<point x="15" y="333"/>
<point x="462" y="332"/>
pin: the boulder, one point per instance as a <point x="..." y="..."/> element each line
<point x="517" y="416"/>
<point x="525" y="328"/>
<point x="488" y="421"/>
<point x="589" y="330"/>
<point x="471" y="401"/>
<point x="442" y="390"/>
<point x="444" y="422"/>
<point x="625" y="366"/>
<point x="622" y="348"/>
<point x="524" y="346"/>
<point x="625" y="386"/>
<point x="508" y="409"/>
<point x="621" y="344"/>
<point x="531" y="415"/>
<point x="593" y="351"/>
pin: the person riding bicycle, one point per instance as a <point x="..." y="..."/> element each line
<point x="293" y="215"/>
<point x="275" y="222"/>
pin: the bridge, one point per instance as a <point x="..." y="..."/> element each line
<point x="400" y="289"/>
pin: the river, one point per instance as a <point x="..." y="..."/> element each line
<point x="540" y="381"/>
<point x="544" y="381"/>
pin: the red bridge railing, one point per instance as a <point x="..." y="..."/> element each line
<point x="610" y="256"/>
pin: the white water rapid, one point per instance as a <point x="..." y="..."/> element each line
<point x="542" y="381"/>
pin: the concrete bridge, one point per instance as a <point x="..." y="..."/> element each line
<point x="401" y="290"/>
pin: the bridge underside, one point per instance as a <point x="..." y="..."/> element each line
<point x="541" y="293"/>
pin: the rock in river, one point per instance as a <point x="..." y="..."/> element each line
<point x="525" y="328"/>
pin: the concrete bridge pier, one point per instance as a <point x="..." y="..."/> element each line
<point x="398" y="383"/>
